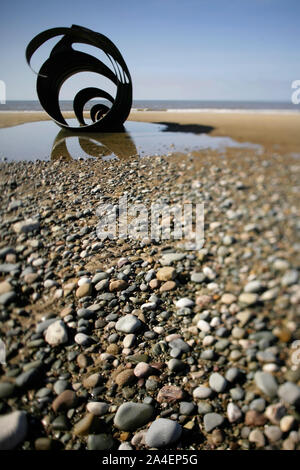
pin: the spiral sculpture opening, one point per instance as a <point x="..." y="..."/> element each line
<point x="64" y="62"/>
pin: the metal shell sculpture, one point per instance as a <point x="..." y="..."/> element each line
<point x="64" y="62"/>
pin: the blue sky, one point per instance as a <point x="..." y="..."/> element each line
<point x="191" y="49"/>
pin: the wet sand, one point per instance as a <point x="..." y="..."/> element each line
<point x="275" y="131"/>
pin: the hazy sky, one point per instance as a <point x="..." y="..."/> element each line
<point x="174" y="49"/>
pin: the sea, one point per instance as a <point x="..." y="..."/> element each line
<point x="172" y="106"/>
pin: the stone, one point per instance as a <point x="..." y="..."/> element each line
<point x="253" y="286"/>
<point x="26" y="226"/>
<point x="257" y="437"/>
<point x="202" y="392"/>
<point x="233" y="374"/>
<point x="126" y="377"/>
<point x="6" y="389"/>
<point x="275" y="412"/>
<point x="82" y="339"/>
<point x="84" y="290"/>
<point x="13" y="429"/>
<point x="92" y="380"/>
<point x="233" y="413"/>
<point x="8" y="267"/>
<point x="64" y="401"/>
<point x="118" y="285"/>
<point x="128" y="324"/>
<point x="169" y="258"/>
<point x="56" y="333"/>
<point x="184" y="302"/>
<point x="217" y="382"/>
<point x="131" y="416"/>
<point x="198" y="278"/>
<point x="273" y="433"/>
<point x="142" y="369"/>
<point x="248" y="298"/>
<point x="289" y="393"/>
<point x="204" y="326"/>
<point x="43" y="443"/>
<point x="8" y="298"/>
<point x="290" y="277"/>
<point x="169" y="394"/>
<point x="167" y="273"/>
<point x="28" y="378"/>
<point x="266" y="383"/>
<point x="163" y="432"/>
<point x="97" y="408"/>
<point x="99" y="442"/>
<point x="186" y="408"/>
<point x="176" y="365"/>
<point x="212" y="421"/>
<point x="86" y="425"/>
<point x="254" y="418"/>
<point x="5" y="287"/>
<point x="167" y="286"/>
<point x="287" y="423"/>
<point x="228" y="299"/>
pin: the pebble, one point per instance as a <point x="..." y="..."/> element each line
<point x="97" y="408"/>
<point x="228" y="299"/>
<point x="167" y="273"/>
<point x="212" y="421"/>
<point x="26" y="226"/>
<point x="142" y="369"/>
<point x="84" y="290"/>
<point x="248" y="298"/>
<point x="287" y="423"/>
<point x="198" y="278"/>
<point x="6" y="389"/>
<point x="128" y="324"/>
<point x="290" y="278"/>
<point x="8" y="298"/>
<point x="56" y="333"/>
<point x="131" y="416"/>
<point x="184" y="302"/>
<point x="169" y="258"/>
<point x="266" y="383"/>
<point x="202" y="392"/>
<point x="64" y="401"/>
<point x="233" y="413"/>
<point x="217" y="382"/>
<point x="118" y="285"/>
<point x="82" y="339"/>
<point x="273" y="433"/>
<point x="289" y="393"/>
<point x="253" y="286"/>
<point x="257" y="437"/>
<point x="99" y="442"/>
<point x="163" y="432"/>
<point x="13" y="429"/>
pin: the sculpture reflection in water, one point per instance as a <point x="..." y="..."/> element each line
<point x="64" y="61"/>
<point x="118" y="144"/>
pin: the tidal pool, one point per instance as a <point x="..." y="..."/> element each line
<point x="44" y="140"/>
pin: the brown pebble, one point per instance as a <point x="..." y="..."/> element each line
<point x="113" y="349"/>
<point x="166" y="274"/>
<point x="167" y="286"/>
<point x="42" y="443"/>
<point x="125" y="377"/>
<point x="91" y="381"/>
<point x="84" y="290"/>
<point x="118" y="285"/>
<point x="254" y="418"/>
<point x="124" y="436"/>
<point x="169" y="394"/>
<point x="65" y="401"/>
<point x="154" y="283"/>
<point x="85" y="425"/>
<point x="217" y="437"/>
<point x="83" y="361"/>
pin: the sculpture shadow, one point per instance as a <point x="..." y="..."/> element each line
<point x="99" y="145"/>
<point x="191" y="128"/>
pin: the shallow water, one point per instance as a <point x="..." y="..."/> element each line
<point x="44" y="140"/>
